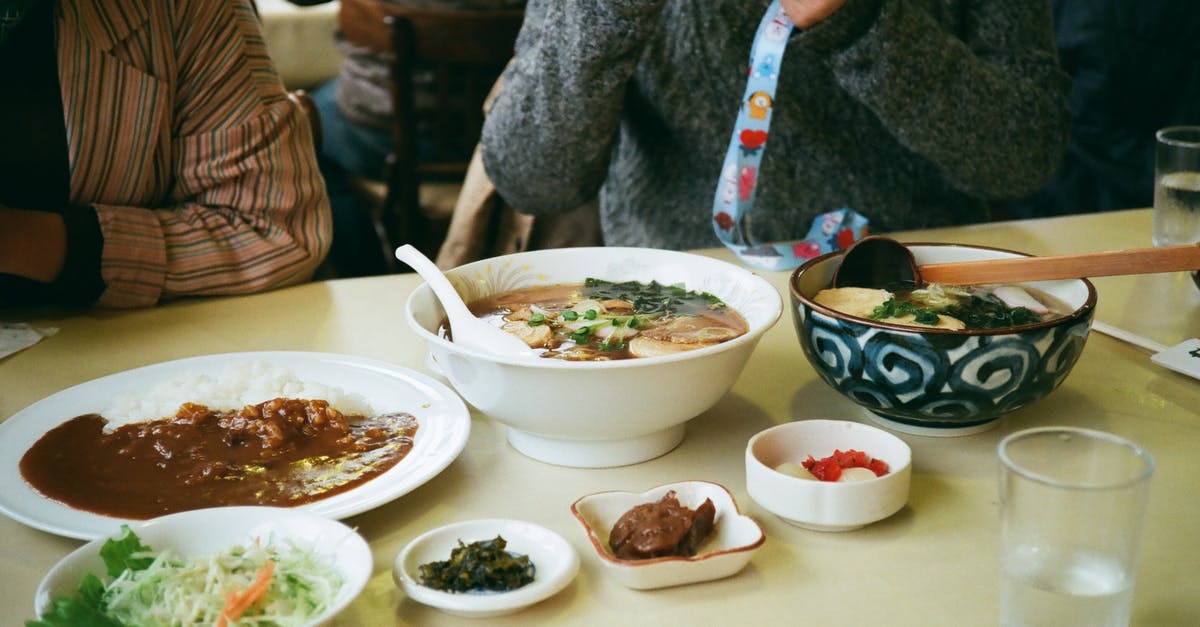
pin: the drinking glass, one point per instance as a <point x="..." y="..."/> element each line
<point x="1177" y="186"/>
<point x="1072" y="502"/>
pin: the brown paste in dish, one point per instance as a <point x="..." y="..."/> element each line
<point x="281" y="452"/>
<point x="662" y="529"/>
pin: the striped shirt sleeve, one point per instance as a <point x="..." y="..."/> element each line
<point x="244" y="208"/>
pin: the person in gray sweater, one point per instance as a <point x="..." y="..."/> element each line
<point x="914" y="113"/>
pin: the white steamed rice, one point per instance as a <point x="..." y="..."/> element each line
<point x="240" y="384"/>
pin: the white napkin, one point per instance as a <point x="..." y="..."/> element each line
<point x="1184" y="357"/>
<point x="18" y="336"/>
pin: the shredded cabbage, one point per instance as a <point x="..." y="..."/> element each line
<point x="173" y="590"/>
<point x="177" y="591"/>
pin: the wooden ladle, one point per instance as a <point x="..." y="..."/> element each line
<point x="878" y="261"/>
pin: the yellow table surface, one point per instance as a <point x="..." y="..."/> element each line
<point x="933" y="563"/>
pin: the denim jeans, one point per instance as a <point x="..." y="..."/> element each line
<point x="349" y="149"/>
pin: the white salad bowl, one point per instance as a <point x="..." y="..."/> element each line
<point x="734" y="539"/>
<point x="555" y="562"/>
<point x="596" y="413"/>
<point x="207" y="532"/>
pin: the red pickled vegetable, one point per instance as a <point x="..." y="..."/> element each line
<point x="830" y="468"/>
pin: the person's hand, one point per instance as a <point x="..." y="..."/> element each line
<point x="807" y="13"/>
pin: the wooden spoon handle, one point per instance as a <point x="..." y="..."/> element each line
<point x="1110" y="263"/>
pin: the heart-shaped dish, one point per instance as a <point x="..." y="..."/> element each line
<point x="734" y="539"/>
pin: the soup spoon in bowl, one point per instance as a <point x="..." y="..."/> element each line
<point x="878" y="261"/>
<point x="465" y="327"/>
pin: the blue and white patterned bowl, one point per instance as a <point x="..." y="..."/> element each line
<point x="938" y="381"/>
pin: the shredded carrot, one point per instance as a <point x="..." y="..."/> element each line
<point x="236" y="603"/>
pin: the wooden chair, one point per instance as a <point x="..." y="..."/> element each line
<point x="455" y="56"/>
<point x="443" y="63"/>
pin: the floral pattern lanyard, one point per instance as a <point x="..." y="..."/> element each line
<point x="734" y="198"/>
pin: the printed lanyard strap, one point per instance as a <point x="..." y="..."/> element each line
<point x="734" y="199"/>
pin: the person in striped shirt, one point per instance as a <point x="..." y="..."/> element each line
<point x="149" y="151"/>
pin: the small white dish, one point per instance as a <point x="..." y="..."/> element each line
<point x="555" y="561"/>
<point x="727" y="550"/>
<point x="825" y="505"/>
<point x="202" y="532"/>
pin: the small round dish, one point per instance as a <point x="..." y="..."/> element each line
<point x="203" y="532"/>
<point x="555" y="560"/>
<point x="824" y="505"/>
<point x="734" y="539"/>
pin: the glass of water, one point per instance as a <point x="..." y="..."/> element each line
<point x="1177" y="186"/>
<point x="1072" y="502"/>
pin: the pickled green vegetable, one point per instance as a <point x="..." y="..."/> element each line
<point x="481" y="565"/>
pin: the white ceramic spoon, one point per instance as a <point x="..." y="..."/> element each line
<point x="465" y="328"/>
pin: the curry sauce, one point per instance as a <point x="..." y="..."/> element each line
<point x="282" y="452"/>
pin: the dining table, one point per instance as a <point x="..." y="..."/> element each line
<point x="934" y="562"/>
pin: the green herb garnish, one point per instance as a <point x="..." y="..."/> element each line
<point x="482" y="565"/>
<point x="570" y="315"/>
<point x="536" y="319"/>
<point x="976" y="312"/>
<point x="652" y="298"/>
<point x="86" y="608"/>
<point x="892" y="308"/>
<point x="989" y="312"/>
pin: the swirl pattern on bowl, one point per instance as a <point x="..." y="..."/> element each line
<point x="939" y="380"/>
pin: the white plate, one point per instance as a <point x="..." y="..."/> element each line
<point x="443" y="427"/>
<point x="203" y="532"/>
<point x="554" y="561"/>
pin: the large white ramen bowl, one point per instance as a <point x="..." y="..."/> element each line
<point x="596" y="414"/>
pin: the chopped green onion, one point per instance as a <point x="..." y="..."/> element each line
<point x="536" y="319"/>
<point x="570" y="315"/>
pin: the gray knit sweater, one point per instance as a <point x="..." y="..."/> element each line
<point x="915" y="113"/>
